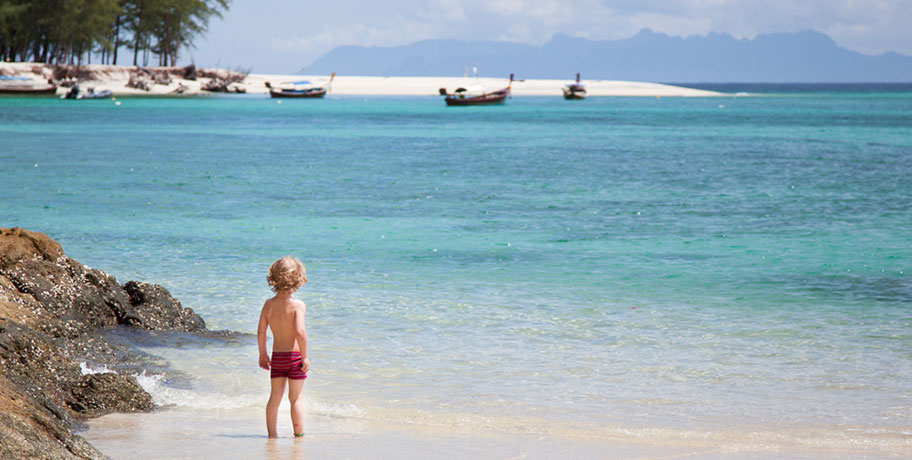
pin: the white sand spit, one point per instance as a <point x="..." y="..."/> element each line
<point x="115" y="78"/>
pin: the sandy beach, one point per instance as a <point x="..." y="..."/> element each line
<point x="115" y="78"/>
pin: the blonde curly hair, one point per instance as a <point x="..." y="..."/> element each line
<point x="286" y="274"/>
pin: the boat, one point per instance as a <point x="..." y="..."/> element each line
<point x="74" y="93"/>
<point x="300" y="89"/>
<point x="575" y="91"/>
<point x="476" y="95"/>
<point x="23" y="85"/>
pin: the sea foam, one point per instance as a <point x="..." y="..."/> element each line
<point x="164" y="395"/>
<point x="86" y="370"/>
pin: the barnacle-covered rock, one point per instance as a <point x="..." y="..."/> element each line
<point x="53" y="314"/>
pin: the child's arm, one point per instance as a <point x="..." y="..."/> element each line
<point x="301" y="336"/>
<point x="261" y="339"/>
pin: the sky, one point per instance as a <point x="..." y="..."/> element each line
<point x="285" y="36"/>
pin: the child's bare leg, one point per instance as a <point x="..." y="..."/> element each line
<point x="272" y="407"/>
<point x="297" y="405"/>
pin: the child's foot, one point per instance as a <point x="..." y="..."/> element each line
<point x="299" y="435"/>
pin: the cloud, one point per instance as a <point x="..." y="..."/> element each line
<point x="401" y="32"/>
<point x="870" y="26"/>
<point x="401" y="24"/>
<point x="874" y="37"/>
<point x="519" y="33"/>
<point x="443" y="11"/>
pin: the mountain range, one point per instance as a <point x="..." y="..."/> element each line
<point x="647" y="56"/>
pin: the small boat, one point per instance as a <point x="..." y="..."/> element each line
<point x="476" y="95"/>
<point x="74" y="93"/>
<point x="575" y="91"/>
<point x="23" y="85"/>
<point x="301" y="89"/>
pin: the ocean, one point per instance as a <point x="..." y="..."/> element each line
<point x="723" y="277"/>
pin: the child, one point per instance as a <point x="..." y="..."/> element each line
<point x="285" y="318"/>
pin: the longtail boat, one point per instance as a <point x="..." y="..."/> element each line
<point x="23" y="85"/>
<point x="575" y="91"/>
<point x="300" y="89"/>
<point x="476" y="95"/>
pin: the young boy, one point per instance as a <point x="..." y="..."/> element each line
<point x="284" y="316"/>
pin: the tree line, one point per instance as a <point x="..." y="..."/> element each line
<point x="73" y="31"/>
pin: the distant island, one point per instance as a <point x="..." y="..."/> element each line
<point x="648" y="56"/>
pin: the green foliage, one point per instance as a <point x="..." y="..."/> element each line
<point x="63" y="31"/>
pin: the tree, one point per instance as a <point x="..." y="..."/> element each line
<point x="61" y="31"/>
<point x="179" y="22"/>
<point x="12" y="38"/>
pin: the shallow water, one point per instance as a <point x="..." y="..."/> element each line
<point x="727" y="269"/>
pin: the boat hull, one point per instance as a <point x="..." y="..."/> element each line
<point x="22" y="89"/>
<point x="574" y="94"/>
<point x="310" y="94"/>
<point x="497" y="97"/>
<point x="99" y="95"/>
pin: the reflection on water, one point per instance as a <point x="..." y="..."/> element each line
<point x="275" y="449"/>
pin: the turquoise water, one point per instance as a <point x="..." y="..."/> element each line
<point x="597" y="266"/>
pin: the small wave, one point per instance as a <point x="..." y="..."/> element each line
<point x="148" y="382"/>
<point x="335" y="410"/>
<point x="86" y="370"/>
<point x="164" y="395"/>
<point x="194" y="398"/>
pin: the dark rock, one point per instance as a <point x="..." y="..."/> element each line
<point x="189" y="72"/>
<point x="98" y="394"/>
<point x="35" y="379"/>
<point x="158" y="311"/>
<point x="36" y="437"/>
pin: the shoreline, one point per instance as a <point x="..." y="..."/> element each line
<point x="115" y="78"/>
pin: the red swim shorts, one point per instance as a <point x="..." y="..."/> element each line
<point x="286" y="364"/>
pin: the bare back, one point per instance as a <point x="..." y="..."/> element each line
<point x="285" y="317"/>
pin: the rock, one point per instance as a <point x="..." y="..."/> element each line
<point x="17" y="244"/>
<point x="53" y="314"/>
<point x="25" y="433"/>
<point x="35" y="380"/>
<point x="75" y="299"/>
<point x="99" y="394"/>
<point x="139" y="81"/>
<point x="37" y="362"/>
<point x="189" y="72"/>
<point x="161" y="78"/>
<point x="157" y="310"/>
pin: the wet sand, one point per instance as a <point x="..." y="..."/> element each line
<point x="181" y="433"/>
